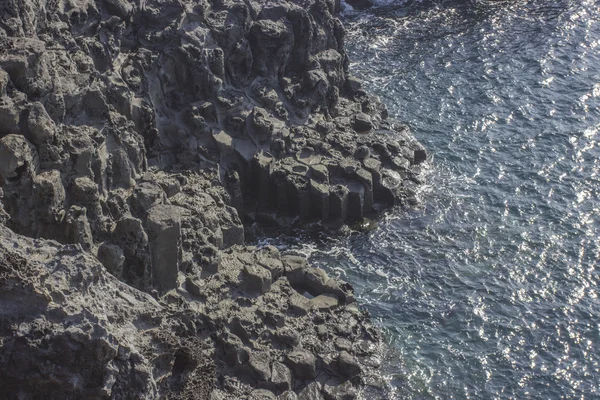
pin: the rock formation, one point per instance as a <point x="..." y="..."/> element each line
<point x="134" y="137"/>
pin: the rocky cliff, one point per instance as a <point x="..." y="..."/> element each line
<point x="134" y="138"/>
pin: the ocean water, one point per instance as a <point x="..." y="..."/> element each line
<point x="489" y="288"/>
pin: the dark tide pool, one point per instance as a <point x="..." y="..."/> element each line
<point x="490" y="288"/>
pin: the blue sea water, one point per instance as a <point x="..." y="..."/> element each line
<point x="489" y="288"/>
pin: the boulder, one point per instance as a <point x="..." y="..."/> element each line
<point x="348" y="366"/>
<point x="256" y="279"/>
<point x="281" y="376"/>
<point x="303" y="364"/>
<point x="112" y="257"/>
<point x="362" y="123"/>
<point x="41" y="127"/>
<point x="312" y="391"/>
<point x="18" y="159"/>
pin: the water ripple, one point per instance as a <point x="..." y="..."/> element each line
<point x="490" y="288"/>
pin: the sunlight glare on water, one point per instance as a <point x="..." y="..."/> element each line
<point x="488" y="289"/>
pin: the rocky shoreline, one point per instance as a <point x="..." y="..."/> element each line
<point x="137" y="139"/>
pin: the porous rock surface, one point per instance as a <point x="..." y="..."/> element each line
<point x="134" y="138"/>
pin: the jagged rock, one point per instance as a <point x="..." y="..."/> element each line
<point x="420" y="154"/>
<point x="260" y="125"/>
<point x="164" y="237"/>
<point x="157" y="130"/>
<point x="4" y="217"/>
<point x="289" y="395"/>
<point x="258" y="364"/>
<point x="319" y="200"/>
<point x="299" y="304"/>
<point x="362" y="123"/>
<point x="112" y="258"/>
<point x="41" y="127"/>
<point x="262" y="394"/>
<point x="269" y="258"/>
<point x="77" y="227"/>
<point x="348" y="365"/>
<point x="335" y="390"/>
<point x="84" y="191"/>
<point x="262" y="171"/>
<point x="302" y="364"/>
<point x="18" y="159"/>
<point x="281" y="376"/>
<point x="145" y="196"/>
<point x="311" y="392"/>
<point x="52" y="290"/>
<point x="324" y="302"/>
<point x="257" y="279"/>
<point x="48" y="196"/>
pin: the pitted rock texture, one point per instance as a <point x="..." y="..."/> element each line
<point x="135" y="136"/>
<point x="264" y="325"/>
<point x="258" y="92"/>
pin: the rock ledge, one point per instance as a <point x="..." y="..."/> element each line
<point x="135" y="136"/>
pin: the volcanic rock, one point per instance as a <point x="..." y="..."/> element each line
<point x="134" y="140"/>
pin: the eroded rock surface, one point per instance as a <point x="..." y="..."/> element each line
<point x="70" y="329"/>
<point x="134" y="138"/>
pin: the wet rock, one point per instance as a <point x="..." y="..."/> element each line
<point x="420" y="154"/>
<point x="366" y="179"/>
<point x="365" y="225"/>
<point x="356" y="201"/>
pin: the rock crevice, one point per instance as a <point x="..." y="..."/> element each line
<point x="135" y="136"/>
